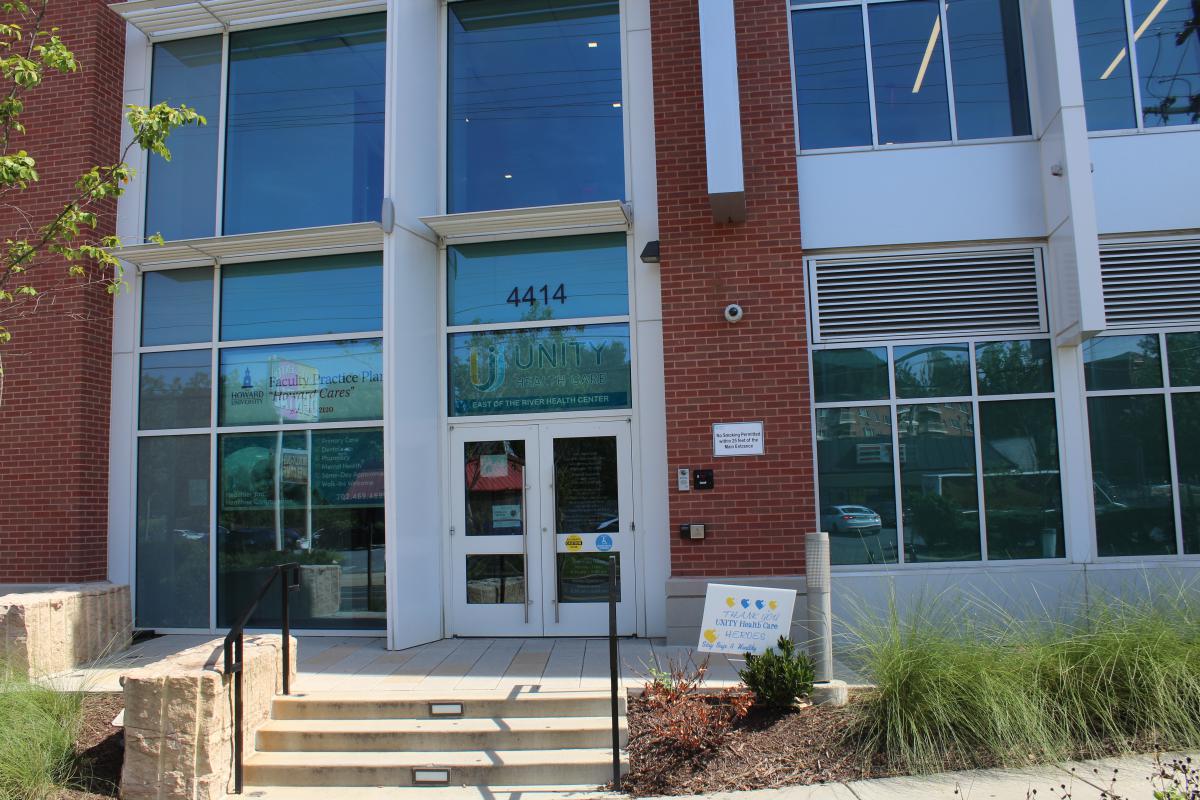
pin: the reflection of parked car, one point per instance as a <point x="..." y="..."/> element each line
<point x="850" y="520"/>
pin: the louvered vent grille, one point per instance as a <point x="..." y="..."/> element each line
<point x="1151" y="283"/>
<point x="927" y="294"/>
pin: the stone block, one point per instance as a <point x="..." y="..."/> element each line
<point x="49" y="630"/>
<point x="179" y="719"/>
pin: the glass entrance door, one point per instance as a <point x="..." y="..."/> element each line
<point x="537" y="510"/>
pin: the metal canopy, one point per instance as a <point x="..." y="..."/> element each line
<point x="598" y="217"/>
<point x="172" y="19"/>
<point x="356" y="237"/>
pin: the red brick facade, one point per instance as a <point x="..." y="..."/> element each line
<point x="54" y="413"/>
<point x="757" y="369"/>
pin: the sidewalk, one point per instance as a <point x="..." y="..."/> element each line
<point x="1084" y="780"/>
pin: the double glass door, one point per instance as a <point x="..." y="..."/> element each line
<point x="537" y="511"/>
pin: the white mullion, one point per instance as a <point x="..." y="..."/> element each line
<point x="161" y="432"/>
<point x="223" y="105"/>
<point x="1133" y="68"/>
<point x="870" y="79"/>
<point x="213" y="474"/>
<point x="135" y="445"/>
<point x="977" y="434"/>
<point x="948" y="72"/>
<point x="1169" y="420"/>
<point x="174" y="348"/>
<point x="985" y="398"/>
<point x="573" y="322"/>
<point x="274" y="427"/>
<point x="313" y="339"/>
<point x="894" y="411"/>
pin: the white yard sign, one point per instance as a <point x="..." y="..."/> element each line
<point x="737" y="439"/>
<point x="745" y="619"/>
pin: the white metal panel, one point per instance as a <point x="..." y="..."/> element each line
<point x="574" y="218"/>
<point x="927" y="294"/>
<point x="353" y="237"/>
<point x="722" y="110"/>
<point x="1151" y="283"/>
<point x="1146" y="182"/>
<point x="169" y="19"/>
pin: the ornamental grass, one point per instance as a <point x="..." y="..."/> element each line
<point x="38" y="727"/>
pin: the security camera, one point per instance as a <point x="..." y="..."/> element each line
<point x="733" y="313"/>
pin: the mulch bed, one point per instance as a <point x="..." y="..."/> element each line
<point x="100" y="749"/>
<point x="764" y="750"/>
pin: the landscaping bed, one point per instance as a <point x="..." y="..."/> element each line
<point x="99" y="750"/>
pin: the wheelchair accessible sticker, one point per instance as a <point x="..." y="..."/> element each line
<point x="604" y="543"/>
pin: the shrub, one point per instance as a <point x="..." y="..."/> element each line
<point x="952" y="691"/>
<point x="38" y="728"/>
<point x="777" y="679"/>
<point x="683" y="719"/>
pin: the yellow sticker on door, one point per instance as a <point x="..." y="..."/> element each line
<point x="574" y="543"/>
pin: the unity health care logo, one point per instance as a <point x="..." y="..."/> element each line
<point x="493" y="358"/>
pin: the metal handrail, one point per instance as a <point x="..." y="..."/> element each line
<point x="235" y="646"/>
<point x="612" y="670"/>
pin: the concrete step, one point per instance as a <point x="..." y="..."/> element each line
<point x="586" y="792"/>
<point x="572" y="767"/>
<point x="508" y="733"/>
<point x="416" y="705"/>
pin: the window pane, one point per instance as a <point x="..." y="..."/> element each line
<point x="535" y="103"/>
<point x="988" y="64"/>
<point x="1017" y="367"/>
<point x="495" y="488"/>
<point x="493" y="579"/>
<point x="1131" y="476"/>
<point x="937" y="482"/>
<point x="181" y="194"/>
<point x="833" y="106"/>
<point x="577" y="368"/>
<point x="1168" y="60"/>
<point x="304" y="141"/>
<point x="315" y="497"/>
<point x="583" y="577"/>
<point x="302" y="297"/>
<point x="1183" y="358"/>
<point x="1186" y="411"/>
<point x="301" y="383"/>
<point x="1021" y="488"/>
<point x="1104" y="62"/>
<point x="175" y="390"/>
<point x="853" y="374"/>
<point x="173" y="532"/>
<point x="177" y="306"/>
<point x="910" y="72"/>
<point x="858" y="486"/>
<point x="933" y="370"/>
<point x="585" y="485"/>
<point x="536" y="279"/>
<point x="1121" y="362"/>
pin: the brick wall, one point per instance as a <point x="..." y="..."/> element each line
<point x="55" y="408"/>
<point x="761" y="507"/>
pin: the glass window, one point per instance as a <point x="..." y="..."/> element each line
<point x="1131" y="476"/>
<point x="988" y="62"/>
<point x="937" y="482"/>
<point x="1185" y="409"/>
<point x="181" y="194"/>
<point x="909" y="72"/>
<point x="833" y="106"/>
<point x="1122" y="362"/>
<point x="315" y="497"/>
<point x="493" y="579"/>
<point x="175" y="390"/>
<point x="538" y="279"/>
<point x="495" y="488"/>
<point x="177" y="306"/>
<point x="1016" y="367"/>
<point x="1183" y="358"/>
<point x="173" y="532"/>
<point x="572" y="368"/>
<point x="1021" y="486"/>
<point x="534" y="103"/>
<point x="583" y="577"/>
<point x="1104" y="63"/>
<point x="304" y="136"/>
<point x="857" y="484"/>
<point x="302" y="383"/>
<point x="1167" y="37"/>
<point x="585" y="485"/>
<point x="933" y="370"/>
<point x="850" y="374"/>
<point x="302" y="297"/>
